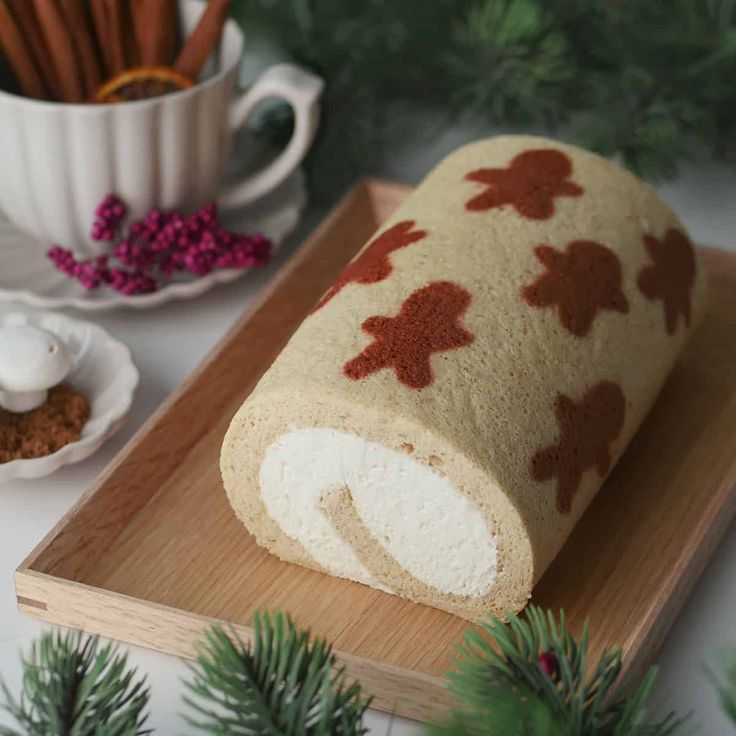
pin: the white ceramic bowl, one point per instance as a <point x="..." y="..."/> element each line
<point x="102" y="369"/>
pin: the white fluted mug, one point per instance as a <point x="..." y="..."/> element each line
<point x="58" y="160"/>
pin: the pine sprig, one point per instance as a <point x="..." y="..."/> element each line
<point x="527" y="677"/>
<point x="512" y="61"/>
<point x="72" y="686"/>
<point x="534" y="672"/>
<point x="500" y="711"/>
<point x="646" y="82"/>
<point x="655" y="79"/>
<point x="284" y="684"/>
<point x="725" y="683"/>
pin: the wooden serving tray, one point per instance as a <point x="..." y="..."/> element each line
<point x="153" y="554"/>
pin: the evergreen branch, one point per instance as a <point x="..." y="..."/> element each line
<point x="655" y="80"/>
<point x="284" y="684"/>
<point x="73" y="687"/>
<point x="511" y="61"/>
<point x="725" y="684"/>
<point x="501" y="711"/>
<point x="644" y="82"/>
<point x="531" y="676"/>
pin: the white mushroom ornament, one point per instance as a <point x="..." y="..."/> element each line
<point x="32" y="360"/>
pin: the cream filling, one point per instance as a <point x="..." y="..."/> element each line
<point x="432" y="530"/>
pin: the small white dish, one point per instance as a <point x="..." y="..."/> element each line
<point x="102" y="369"/>
<point x="27" y="276"/>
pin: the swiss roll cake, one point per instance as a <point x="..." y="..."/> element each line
<point x="444" y="415"/>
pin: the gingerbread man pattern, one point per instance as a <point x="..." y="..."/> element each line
<point x="530" y="184"/>
<point x="586" y="429"/>
<point x="580" y="281"/>
<point x="670" y="276"/>
<point x="427" y="323"/>
<point x="373" y="264"/>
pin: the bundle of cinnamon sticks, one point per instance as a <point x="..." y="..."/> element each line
<point x="104" y="50"/>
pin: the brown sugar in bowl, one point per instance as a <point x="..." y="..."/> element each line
<point x="42" y="431"/>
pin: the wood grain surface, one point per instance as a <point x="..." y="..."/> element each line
<point x="152" y="554"/>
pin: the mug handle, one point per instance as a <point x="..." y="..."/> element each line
<point x="302" y="90"/>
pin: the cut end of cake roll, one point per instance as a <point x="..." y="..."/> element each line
<point x="407" y="516"/>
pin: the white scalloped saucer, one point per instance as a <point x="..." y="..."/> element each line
<point x="27" y="276"/>
<point x="102" y="370"/>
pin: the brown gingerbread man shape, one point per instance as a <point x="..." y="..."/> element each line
<point x="580" y="281"/>
<point x="670" y="276"/>
<point x="530" y="184"/>
<point x="373" y="264"/>
<point x="427" y="323"/>
<point x="587" y="428"/>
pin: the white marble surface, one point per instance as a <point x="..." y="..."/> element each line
<point x="169" y="342"/>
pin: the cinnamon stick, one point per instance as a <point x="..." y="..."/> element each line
<point x="120" y="37"/>
<point x="25" y="16"/>
<point x="101" y="28"/>
<point x="19" y="55"/>
<point x="114" y="35"/>
<point x="203" y="40"/>
<point x="61" y="49"/>
<point x="130" y="45"/>
<point x="157" y="30"/>
<point x="77" y="21"/>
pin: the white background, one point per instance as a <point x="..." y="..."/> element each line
<point x="169" y="342"/>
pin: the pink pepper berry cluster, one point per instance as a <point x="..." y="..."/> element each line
<point x="162" y="243"/>
<point x="197" y="244"/>
<point x="108" y="216"/>
<point x="96" y="272"/>
<point x="90" y="274"/>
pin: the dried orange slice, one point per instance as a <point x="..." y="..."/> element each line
<point x="141" y="82"/>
